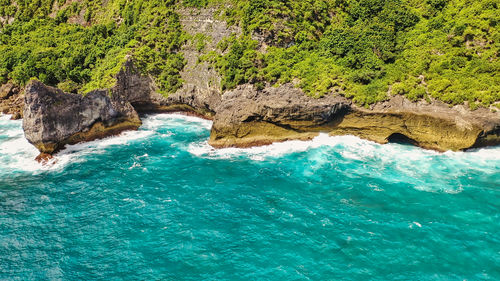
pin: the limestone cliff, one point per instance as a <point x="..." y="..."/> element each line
<point x="249" y="117"/>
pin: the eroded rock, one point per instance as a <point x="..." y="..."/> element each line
<point x="247" y="117"/>
<point x="53" y="118"/>
<point x="11" y="101"/>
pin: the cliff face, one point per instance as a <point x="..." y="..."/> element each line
<point x="249" y="117"/>
<point x="244" y="116"/>
<point x="53" y="118"/>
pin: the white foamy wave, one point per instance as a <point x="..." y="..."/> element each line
<point x="277" y="149"/>
<point x="156" y="121"/>
<point x="349" y="147"/>
<point x="389" y="161"/>
<point x="4" y="117"/>
<point x="17" y="154"/>
<point x="78" y="152"/>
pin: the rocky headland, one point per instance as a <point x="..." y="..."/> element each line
<point x="247" y="117"/>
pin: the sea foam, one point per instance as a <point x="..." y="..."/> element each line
<point x="17" y="154"/>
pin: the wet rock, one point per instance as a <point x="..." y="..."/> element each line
<point x="53" y="118"/>
<point x="16" y="116"/>
<point x="44" y="158"/>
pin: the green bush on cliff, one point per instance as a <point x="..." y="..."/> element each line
<point x="82" y="58"/>
<point x="363" y="49"/>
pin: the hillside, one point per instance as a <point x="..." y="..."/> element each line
<point x="367" y="50"/>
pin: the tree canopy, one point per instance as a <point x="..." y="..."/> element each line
<point x="363" y="49"/>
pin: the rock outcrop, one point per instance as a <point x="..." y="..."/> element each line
<point x="11" y="100"/>
<point x="247" y="117"/>
<point x="433" y="125"/>
<point x="53" y="118"/>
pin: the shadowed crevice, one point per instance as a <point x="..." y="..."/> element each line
<point x="401" y="139"/>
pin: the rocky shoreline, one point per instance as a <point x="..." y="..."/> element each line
<point x="242" y="117"/>
<point x="246" y="117"/>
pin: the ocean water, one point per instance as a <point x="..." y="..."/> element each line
<point x="161" y="204"/>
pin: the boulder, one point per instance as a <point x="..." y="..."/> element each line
<point x="7" y="90"/>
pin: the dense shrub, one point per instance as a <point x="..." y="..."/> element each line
<point x="367" y="47"/>
<point x="82" y="58"/>
<point x="364" y="49"/>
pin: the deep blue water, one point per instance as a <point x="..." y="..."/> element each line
<point x="160" y="204"/>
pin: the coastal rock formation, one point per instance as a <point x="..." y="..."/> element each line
<point x="53" y="118"/>
<point x="248" y="117"/>
<point x="242" y="117"/>
<point x="11" y="101"/>
<point x="433" y="125"/>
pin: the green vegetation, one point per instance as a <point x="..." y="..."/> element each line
<point x="444" y="49"/>
<point x="80" y="58"/>
<point x="363" y="49"/>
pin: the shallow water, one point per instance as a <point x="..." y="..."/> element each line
<point x="161" y="204"/>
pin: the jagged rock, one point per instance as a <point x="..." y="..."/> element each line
<point x="247" y="117"/>
<point x="7" y="90"/>
<point x="44" y="158"/>
<point x="11" y="101"/>
<point x="53" y="118"/>
<point x="142" y="94"/>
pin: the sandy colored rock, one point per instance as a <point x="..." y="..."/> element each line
<point x="11" y="101"/>
<point x="249" y="117"/>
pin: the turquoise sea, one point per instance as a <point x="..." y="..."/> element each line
<point x="161" y="204"/>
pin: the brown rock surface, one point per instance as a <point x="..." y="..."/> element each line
<point x="11" y="101"/>
<point x="248" y="117"/>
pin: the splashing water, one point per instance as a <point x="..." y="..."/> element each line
<point x="161" y="204"/>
